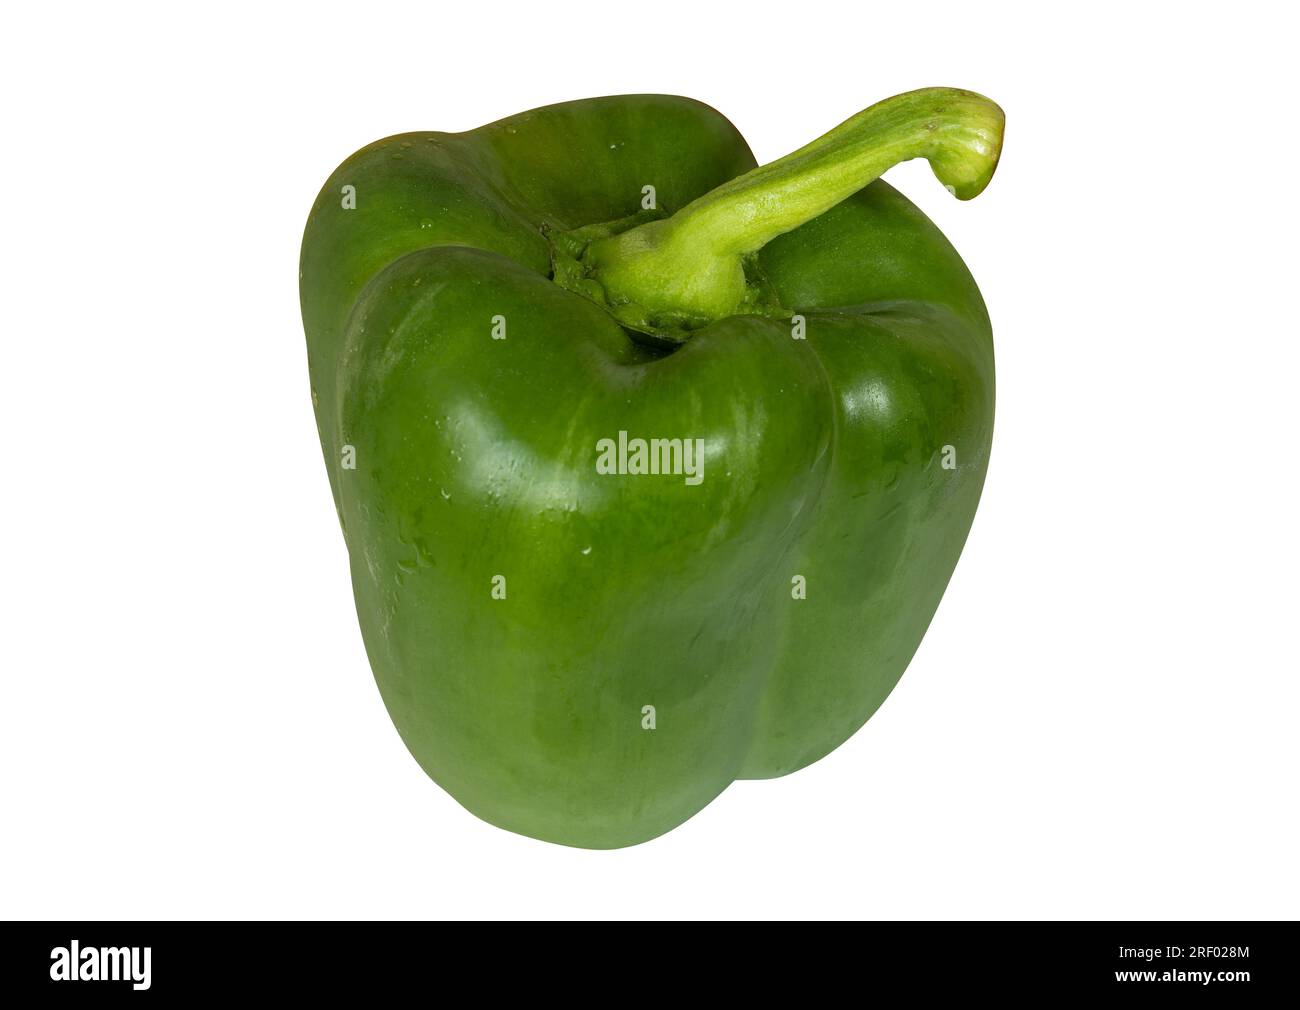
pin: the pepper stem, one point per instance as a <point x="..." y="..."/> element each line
<point x="689" y="269"/>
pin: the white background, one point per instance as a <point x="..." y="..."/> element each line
<point x="1101" y="722"/>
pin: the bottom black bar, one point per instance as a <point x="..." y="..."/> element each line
<point x="146" y="960"/>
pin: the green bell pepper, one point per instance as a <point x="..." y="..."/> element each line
<point x="652" y="465"/>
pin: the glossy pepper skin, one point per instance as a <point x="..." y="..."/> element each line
<point x="472" y="337"/>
